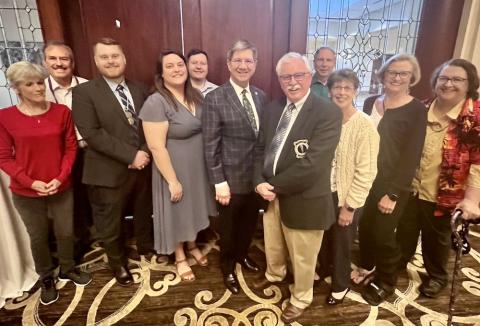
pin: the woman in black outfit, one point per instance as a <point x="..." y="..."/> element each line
<point x="401" y="123"/>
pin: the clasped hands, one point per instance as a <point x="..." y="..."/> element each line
<point x="46" y="189"/>
<point x="141" y="160"/>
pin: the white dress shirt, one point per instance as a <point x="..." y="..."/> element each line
<point x="113" y="86"/>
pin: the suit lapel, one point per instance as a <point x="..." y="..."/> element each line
<point x="136" y="96"/>
<point x="256" y="100"/>
<point x="111" y="100"/>
<point x="235" y="103"/>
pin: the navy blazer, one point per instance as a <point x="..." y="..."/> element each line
<point x="302" y="176"/>
<point x="229" y="138"/>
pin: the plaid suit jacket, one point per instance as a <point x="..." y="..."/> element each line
<point x="229" y="138"/>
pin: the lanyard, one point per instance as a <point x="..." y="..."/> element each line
<point x="50" y="86"/>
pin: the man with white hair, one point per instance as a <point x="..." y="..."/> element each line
<point x="293" y="157"/>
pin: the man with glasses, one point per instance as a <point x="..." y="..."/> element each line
<point x="293" y="158"/>
<point x="231" y="119"/>
<point x="117" y="163"/>
<point x="324" y="61"/>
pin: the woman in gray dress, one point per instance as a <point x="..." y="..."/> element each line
<point x="182" y="199"/>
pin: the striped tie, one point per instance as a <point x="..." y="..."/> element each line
<point x="127" y="107"/>
<point x="280" y="134"/>
<point x="248" y="107"/>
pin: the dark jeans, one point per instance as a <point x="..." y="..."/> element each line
<point x="238" y="221"/>
<point x="335" y="253"/>
<point x="378" y="244"/>
<point x="35" y="212"/>
<point x="436" y="231"/>
<point x="108" y="205"/>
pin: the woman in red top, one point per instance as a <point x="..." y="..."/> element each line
<point x="37" y="151"/>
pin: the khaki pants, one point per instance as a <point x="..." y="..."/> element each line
<point x="301" y="246"/>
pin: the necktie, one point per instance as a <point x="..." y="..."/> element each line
<point x="248" y="108"/>
<point x="280" y="134"/>
<point x="127" y="107"/>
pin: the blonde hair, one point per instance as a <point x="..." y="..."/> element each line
<point x="416" y="75"/>
<point x="21" y="71"/>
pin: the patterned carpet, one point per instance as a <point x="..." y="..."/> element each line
<point x="158" y="297"/>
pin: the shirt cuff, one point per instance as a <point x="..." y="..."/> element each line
<point x="474" y="176"/>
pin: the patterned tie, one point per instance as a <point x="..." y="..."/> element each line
<point x="280" y="134"/>
<point x="127" y="107"/>
<point x="249" y="109"/>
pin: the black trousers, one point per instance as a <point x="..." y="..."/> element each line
<point x="238" y="221"/>
<point x="418" y="217"/>
<point x="35" y="212"/>
<point x="82" y="211"/>
<point x="108" y="205"/>
<point x="335" y="253"/>
<point x="378" y="243"/>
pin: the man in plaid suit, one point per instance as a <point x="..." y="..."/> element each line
<point x="231" y="120"/>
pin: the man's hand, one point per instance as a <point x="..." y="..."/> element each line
<point x="40" y="187"/>
<point x="52" y="186"/>
<point x="345" y="217"/>
<point x="470" y="209"/>
<point x="222" y="194"/>
<point x="386" y="205"/>
<point x="141" y="160"/>
<point x="266" y="191"/>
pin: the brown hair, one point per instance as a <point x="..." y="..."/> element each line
<point x="107" y="41"/>
<point x="470" y="69"/>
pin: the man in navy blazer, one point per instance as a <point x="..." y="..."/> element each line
<point x="293" y="160"/>
<point x="231" y="119"/>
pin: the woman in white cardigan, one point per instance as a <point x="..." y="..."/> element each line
<point x="353" y="170"/>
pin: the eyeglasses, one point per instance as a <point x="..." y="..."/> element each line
<point x="401" y="74"/>
<point x="247" y="62"/>
<point x="338" y="88"/>
<point x="454" y="80"/>
<point x="299" y="76"/>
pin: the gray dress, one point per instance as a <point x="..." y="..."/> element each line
<point x="179" y="222"/>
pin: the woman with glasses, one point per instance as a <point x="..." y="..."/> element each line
<point x="448" y="177"/>
<point x="353" y="170"/>
<point x="182" y="200"/>
<point x="401" y="124"/>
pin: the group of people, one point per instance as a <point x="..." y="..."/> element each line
<point x="79" y="151"/>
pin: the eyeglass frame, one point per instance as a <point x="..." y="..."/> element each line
<point x="394" y="74"/>
<point x="453" y="80"/>
<point x="237" y="62"/>
<point x="298" y="77"/>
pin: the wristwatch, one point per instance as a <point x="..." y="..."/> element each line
<point x="393" y="197"/>
<point x="350" y="209"/>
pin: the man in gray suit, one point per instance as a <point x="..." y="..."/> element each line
<point x="230" y="119"/>
<point x="293" y="158"/>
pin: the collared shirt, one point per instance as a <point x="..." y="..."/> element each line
<point x="426" y="178"/>
<point x="56" y="93"/>
<point x="238" y="91"/>
<point x="207" y="88"/>
<point x="318" y="88"/>
<point x="295" y="112"/>
<point x="113" y="86"/>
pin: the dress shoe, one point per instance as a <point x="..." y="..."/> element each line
<point x="374" y="293"/>
<point x="432" y="288"/>
<point x="249" y="264"/>
<point x="123" y="276"/>
<point x="231" y="282"/>
<point x="262" y="283"/>
<point x="332" y="301"/>
<point x="291" y="313"/>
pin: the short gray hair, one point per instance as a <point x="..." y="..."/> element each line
<point x="324" y="48"/>
<point x="292" y="56"/>
<point x="416" y="75"/>
<point x="241" y="45"/>
<point x="21" y="71"/>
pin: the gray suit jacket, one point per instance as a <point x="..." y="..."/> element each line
<point x="229" y="138"/>
<point x="302" y="178"/>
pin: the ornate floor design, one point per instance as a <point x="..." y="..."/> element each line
<point x="158" y="297"/>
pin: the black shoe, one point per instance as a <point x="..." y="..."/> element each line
<point x="78" y="277"/>
<point x="432" y="288"/>
<point x="375" y="294"/>
<point x="249" y="264"/>
<point x="49" y="293"/>
<point x="231" y="282"/>
<point x="123" y="276"/>
<point x="332" y="301"/>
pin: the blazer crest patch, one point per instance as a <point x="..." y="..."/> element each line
<point x="301" y="147"/>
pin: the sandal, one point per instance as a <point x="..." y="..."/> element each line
<point x="202" y="260"/>
<point x="187" y="276"/>
<point x="359" y="275"/>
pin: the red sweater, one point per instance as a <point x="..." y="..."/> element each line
<point x="41" y="147"/>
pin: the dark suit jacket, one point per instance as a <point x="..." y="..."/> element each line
<point x="112" y="141"/>
<point x="302" y="184"/>
<point x="229" y="138"/>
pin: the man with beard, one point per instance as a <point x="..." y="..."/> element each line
<point x="324" y="61"/>
<point x="198" y="71"/>
<point x="59" y="62"/>
<point x="117" y="163"/>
